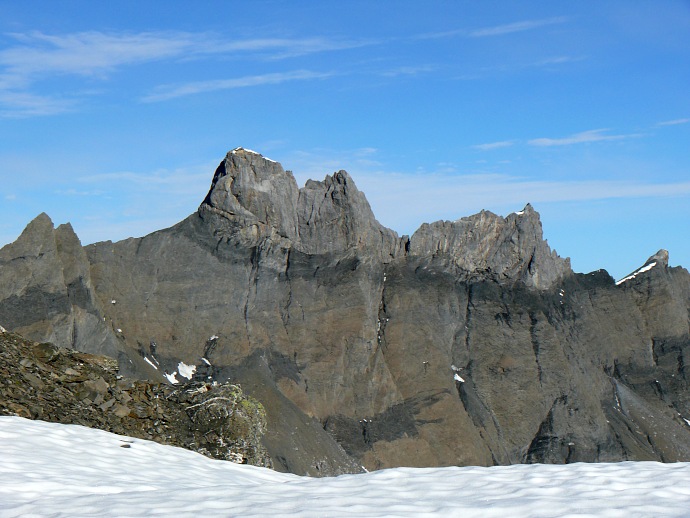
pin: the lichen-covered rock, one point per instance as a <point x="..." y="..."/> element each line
<point x="43" y="381"/>
<point x="225" y="424"/>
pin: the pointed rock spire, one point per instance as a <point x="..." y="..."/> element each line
<point x="250" y="190"/>
<point x="660" y="259"/>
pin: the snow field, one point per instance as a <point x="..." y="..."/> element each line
<point x="50" y="469"/>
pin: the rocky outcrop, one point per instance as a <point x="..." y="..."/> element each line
<point x="46" y="292"/>
<point x="471" y="342"/>
<point x="488" y="245"/>
<point x="47" y="382"/>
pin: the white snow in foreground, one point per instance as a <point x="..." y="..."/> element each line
<point x="186" y="371"/>
<point x="150" y="362"/>
<point x="65" y="470"/>
<point x="645" y="268"/>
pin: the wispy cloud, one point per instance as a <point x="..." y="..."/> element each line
<point x="281" y="48"/>
<point x="596" y="135"/>
<point x="97" y="53"/>
<point x="526" y="25"/>
<point x="21" y="104"/>
<point x="165" y="181"/>
<point x="75" y="192"/>
<point x="557" y="60"/>
<point x="496" y="30"/>
<point x="674" y="122"/>
<point x="167" y="92"/>
<point x="494" y="145"/>
<point x="86" y="53"/>
<point x="409" y="70"/>
<point x="37" y="57"/>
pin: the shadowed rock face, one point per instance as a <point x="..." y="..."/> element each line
<point x="469" y="343"/>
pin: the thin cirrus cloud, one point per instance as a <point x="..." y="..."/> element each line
<point x="36" y="57"/>
<point x="21" y="104"/>
<point x="526" y="25"/>
<point x="596" y="135"/>
<point x="496" y="30"/>
<point x="95" y="53"/>
<point x="493" y="145"/>
<point x="86" y="53"/>
<point x="674" y="122"/>
<point x="167" y="92"/>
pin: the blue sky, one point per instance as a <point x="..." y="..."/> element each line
<point x="114" y="117"/>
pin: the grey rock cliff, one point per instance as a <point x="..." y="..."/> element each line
<point x="46" y="292"/>
<point x="470" y="343"/>
<point x="511" y="247"/>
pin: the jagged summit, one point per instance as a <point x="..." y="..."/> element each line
<point x="511" y="247"/>
<point x="258" y="200"/>
<point x="527" y="210"/>
<point x="254" y="194"/>
<point x="660" y="259"/>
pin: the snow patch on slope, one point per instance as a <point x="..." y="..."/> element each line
<point x="186" y="371"/>
<point x="645" y="268"/>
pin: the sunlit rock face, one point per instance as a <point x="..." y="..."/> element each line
<point x="471" y="342"/>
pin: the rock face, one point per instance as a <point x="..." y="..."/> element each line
<point x="46" y="292"/>
<point x="509" y="248"/>
<point x="469" y="343"/>
<point x="257" y="201"/>
<point x="44" y="381"/>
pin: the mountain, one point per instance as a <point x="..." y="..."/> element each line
<point x="469" y="343"/>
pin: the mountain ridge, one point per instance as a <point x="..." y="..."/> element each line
<point x="470" y="342"/>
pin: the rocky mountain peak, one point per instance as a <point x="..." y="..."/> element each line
<point x="258" y="199"/>
<point x="335" y="216"/>
<point x="512" y="247"/>
<point x="658" y="260"/>
<point x="249" y="190"/>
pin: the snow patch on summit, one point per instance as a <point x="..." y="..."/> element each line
<point x="234" y="152"/>
<point x="645" y="268"/>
